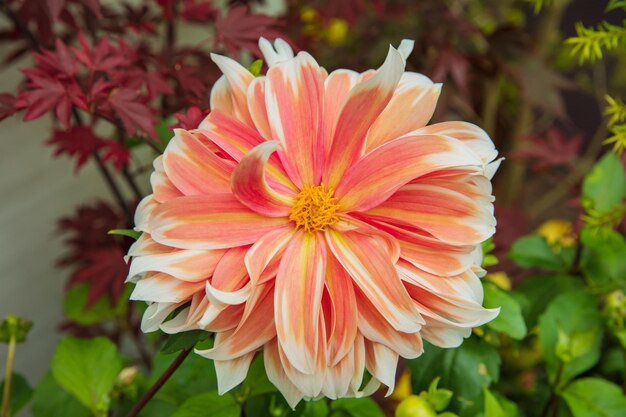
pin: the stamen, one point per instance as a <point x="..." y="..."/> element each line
<point x="315" y="208"/>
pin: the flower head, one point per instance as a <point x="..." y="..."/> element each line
<point x="317" y="219"/>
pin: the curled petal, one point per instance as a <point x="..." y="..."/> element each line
<point x="251" y="188"/>
<point x="297" y="299"/>
<point x="164" y="288"/>
<point x="155" y="314"/>
<point x="193" y="168"/>
<point x="209" y="222"/>
<point x="375" y="275"/>
<point x="390" y="166"/>
<point x="363" y="105"/>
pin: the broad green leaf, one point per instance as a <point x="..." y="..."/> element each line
<point x="315" y="409"/>
<point x="604" y="187"/>
<point x="534" y="251"/>
<point x="536" y="291"/>
<point x="184" y="340"/>
<point x="576" y="315"/>
<point x="510" y="320"/>
<point x="603" y="260"/>
<point x="125" y="232"/>
<point x="76" y="309"/>
<point x="50" y="400"/>
<point x="195" y="376"/>
<point x="594" y="397"/>
<point x="465" y="370"/>
<point x="209" y="403"/>
<point x="613" y="361"/>
<point x="357" y="407"/>
<point x="492" y="406"/>
<point x="87" y="368"/>
<point x="21" y="393"/>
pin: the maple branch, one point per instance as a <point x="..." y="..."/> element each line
<point x="168" y="47"/>
<point x="159" y="383"/>
<point x="20" y="26"/>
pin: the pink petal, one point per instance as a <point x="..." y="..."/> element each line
<point x="336" y="89"/>
<point x="411" y="107"/>
<point x="214" y="221"/>
<point x="363" y="105"/>
<point x="193" y="168"/>
<point x="257" y="108"/>
<point x="390" y="166"/>
<point x="251" y="188"/>
<point x="294" y="96"/>
<point x="265" y="249"/>
<point x="162" y="187"/>
<point x="297" y="299"/>
<point x="371" y="268"/>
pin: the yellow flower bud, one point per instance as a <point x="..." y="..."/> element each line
<point x="336" y="32"/>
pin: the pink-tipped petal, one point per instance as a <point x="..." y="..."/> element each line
<point x="214" y="221"/>
<point x="372" y="270"/>
<point x="363" y="105"/>
<point x="390" y="166"/>
<point x="294" y="96"/>
<point x="297" y="298"/>
<point x="193" y="168"/>
<point x="411" y="107"/>
<point x="251" y="188"/>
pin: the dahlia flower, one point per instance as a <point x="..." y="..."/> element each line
<point x="317" y="219"/>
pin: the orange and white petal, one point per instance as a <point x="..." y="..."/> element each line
<point x="232" y="372"/>
<point x="193" y="168"/>
<point x="381" y="362"/>
<point x="374" y="327"/>
<point x="411" y="107"/>
<point x="406" y="47"/>
<point x="236" y="139"/>
<point x="162" y="187"/>
<point x="239" y="78"/>
<point x="164" y="288"/>
<point x="257" y="108"/>
<point x="145" y="245"/>
<point x="473" y="136"/>
<point x="155" y="314"/>
<point x="256" y="331"/>
<point x="394" y="164"/>
<point x="186" y="265"/>
<point x="343" y="314"/>
<point x="143" y="213"/>
<point x="266" y="249"/>
<point x="294" y="96"/>
<point x="274" y="54"/>
<point x="277" y="376"/>
<point x="363" y="105"/>
<point x="214" y="221"/>
<point x="250" y="186"/>
<point x="221" y="97"/>
<point x="230" y="273"/>
<point x="372" y="270"/>
<point x="448" y="215"/>
<point x="297" y="299"/>
<point x="337" y="86"/>
<point x="339" y="376"/>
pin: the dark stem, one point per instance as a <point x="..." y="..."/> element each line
<point x="131" y="182"/>
<point x="553" y="401"/>
<point x="159" y="383"/>
<point x="21" y="26"/>
<point x="168" y="47"/>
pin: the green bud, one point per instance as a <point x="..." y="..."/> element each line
<point x="16" y="327"/>
<point x="415" y="406"/>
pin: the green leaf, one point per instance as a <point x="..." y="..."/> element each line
<point x="125" y="232"/>
<point x="255" y="67"/>
<point x="510" y="320"/>
<point x="184" y="340"/>
<point x="315" y="409"/>
<point x="87" y="368"/>
<point x="439" y="398"/>
<point x="50" y="400"/>
<point x="498" y="406"/>
<point x="209" y="403"/>
<point x="357" y="407"/>
<point x="76" y="309"/>
<point x="603" y="260"/>
<point x="536" y="291"/>
<point x="604" y="187"/>
<point x="21" y="393"/>
<point x="576" y="315"/>
<point x="465" y="370"/>
<point x="534" y="251"/>
<point x="594" y="397"/>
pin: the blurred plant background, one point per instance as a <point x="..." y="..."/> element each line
<point x="545" y="78"/>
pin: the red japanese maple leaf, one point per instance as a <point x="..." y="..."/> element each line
<point x="197" y="10"/>
<point x="240" y="29"/>
<point x="116" y="153"/>
<point x="132" y="111"/>
<point x="191" y="120"/>
<point x="56" y="6"/>
<point x="101" y="57"/>
<point x="79" y="142"/>
<point x="552" y="150"/>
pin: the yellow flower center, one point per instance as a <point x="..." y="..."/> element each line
<point x="315" y="208"/>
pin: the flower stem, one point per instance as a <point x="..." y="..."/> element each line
<point x="159" y="383"/>
<point x="6" y="396"/>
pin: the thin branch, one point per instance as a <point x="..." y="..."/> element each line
<point x="159" y="383"/>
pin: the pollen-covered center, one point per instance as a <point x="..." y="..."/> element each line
<point x="315" y="208"/>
